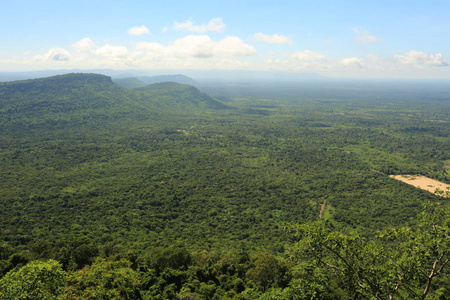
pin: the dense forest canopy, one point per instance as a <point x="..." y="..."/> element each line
<point x="197" y="192"/>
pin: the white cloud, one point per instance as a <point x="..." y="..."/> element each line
<point x="307" y="55"/>
<point x="215" y="24"/>
<point x="154" y="48"/>
<point x="138" y="30"/>
<point x="232" y="46"/>
<point x="85" y="44"/>
<point x="193" y="46"/>
<point x="54" y="54"/>
<point x="421" y="58"/>
<point x="112" y="51"/>
<point x="272" y="39"/>
<point x="192" y="52"/>
<point x="231" y="52"/>
<point x="353" y="62"/>
<point x="198" y="46"/>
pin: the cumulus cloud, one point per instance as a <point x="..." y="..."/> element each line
<point x="272" y="39"/>
<point x="200" y="51"/>
<point x="85" y="44"/>
<point x="232" y="46"/>
<point x="138" y="30"/>
<point x="193" y="46"/>
<point x="54" y="54"/>
<point x="353" y="62"/>
<point x="112" y="51"/>
<point x="421" y="58"/>
<point x="215" y="24"/>
<point x="153" y="48"/>
<point x="199" y="46"/>
<point x="192" y="51"/>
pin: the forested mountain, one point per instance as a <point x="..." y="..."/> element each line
<point x="141" y="81"/>
<point x="76" y="98"/>
<point x="56" y="99"/>
<point x="279" y="195"/>
<point x="180" y="97"/>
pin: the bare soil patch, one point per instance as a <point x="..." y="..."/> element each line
<point x="322" y="207"/>
<point x="422" y="182"/>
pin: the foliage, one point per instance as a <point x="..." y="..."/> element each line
<point x="268" y="271"/>
<point x="401" y="263"/>
<point x="35" y="280"/>
<point x="103" y="280"/>
<point x="163" y="258"/>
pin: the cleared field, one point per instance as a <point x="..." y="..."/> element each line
<point x="422" y="182"/>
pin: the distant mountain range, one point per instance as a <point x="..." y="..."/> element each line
<point x="141" y="81"/>
<point x="167" y="78"/>
<point x="199" y="76"/>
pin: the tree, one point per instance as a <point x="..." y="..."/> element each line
<point x="400" y="263"/>
<point x="103" y="280"/>
<point x="267" y="271"/>
<point x="171" y="257"/>
<point x="35" y="280"/>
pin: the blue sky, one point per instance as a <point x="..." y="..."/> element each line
<point x="359" y="39"/>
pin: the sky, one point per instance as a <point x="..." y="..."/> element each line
<point x="345" y="39"/>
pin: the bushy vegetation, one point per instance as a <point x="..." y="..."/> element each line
<point x="166" y="193"/>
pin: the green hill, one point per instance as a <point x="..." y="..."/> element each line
<point x="139" y="82"/>
<point x="79" y="98"/>
<point x="73" y="97"/>
<point x="178" y="96"/>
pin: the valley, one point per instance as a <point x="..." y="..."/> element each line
<point x="91" y="170"/>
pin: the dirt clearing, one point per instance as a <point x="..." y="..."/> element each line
<point x="422" y="182"/>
